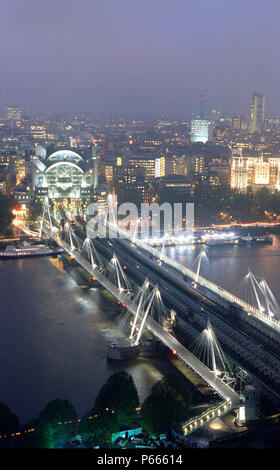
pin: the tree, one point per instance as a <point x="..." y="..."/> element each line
<point x="97" y="428"/>
<point x="167" y="405"/>
<point x="51" y="429"/>
<point x="8" y="421"/>
<point x="178" y="381"/>
<point x="6" y="216"/>
<point x="35" y="211"/>
<point x="120" y="395"/>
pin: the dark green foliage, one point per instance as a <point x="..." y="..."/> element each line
<point x="6" y="216"/>
<point x="114" y="406"/>
<point x="221" y="204"/>
<point x="167" y="405"/>
<point x="178" y="381"/>
<point x="119" y="394"/>
<point x="35" y="211"/>
<point x="97" y="428"/>
<point x="51" y="432"/>
<point x="8" y="421"/>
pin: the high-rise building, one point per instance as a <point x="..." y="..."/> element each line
<point x="257" y="112"/>
<point x="163" y="166"/>
<point x="13" y="113"/>
<point x="202" y="101"/>
<point x="201" y="130"/>
<point x="145" y="160"/>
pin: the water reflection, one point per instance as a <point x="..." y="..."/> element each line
<point x="226" y="266"/>
<point x="52" y="339"/>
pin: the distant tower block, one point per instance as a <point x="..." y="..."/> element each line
<point x="95" y="167"/>
<point x="257" y="112"/>
<point x="202" y="104"/>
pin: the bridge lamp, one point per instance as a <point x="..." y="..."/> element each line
<point x="241" y="418"/>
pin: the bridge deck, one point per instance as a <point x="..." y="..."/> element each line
<point x="172" y="343"/>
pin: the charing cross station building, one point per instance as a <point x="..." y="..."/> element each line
<point x="66" y="178"/>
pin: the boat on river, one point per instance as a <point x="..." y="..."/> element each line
<point x="27" y="251"/>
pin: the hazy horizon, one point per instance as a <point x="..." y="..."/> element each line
<point x="139" y="57"/>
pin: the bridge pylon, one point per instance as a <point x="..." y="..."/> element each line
<point x="117" y="275"/>
<point x="45" y="213"/>
<point x="209" y="351"/>
<point x="95" y="259"/>
<point x="264" y="297"/>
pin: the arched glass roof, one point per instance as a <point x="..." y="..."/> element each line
<point x="63" y="164"/>
<point x="65" y="156"/>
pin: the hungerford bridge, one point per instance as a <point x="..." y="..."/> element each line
<point x="249" y="336"/>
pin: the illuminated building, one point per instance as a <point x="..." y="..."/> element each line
<point x="179" y="165"/>
<point x="255" y="172"/>
<point x="128" y="174"/>
<point x="257" y="112"/>
<point x="146" y="161"/>
<point x="3" y="185"/>
<point x="221" y="169"/>
<point x="38" y="132"/>
<point x="163" y="166"/>
<point x="20" y="165"/>
<point x="40" y="152"/>
<point x="195" y="165"/>
<point x="201" y="130"/>
<point x="177" y="183"/>
<point x="13" y="113"/>
<point x="23" y="194"/>
<point x="66" y="178"/>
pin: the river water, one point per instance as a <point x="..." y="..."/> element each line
<point x="227" y="266"/>
<point x="52" y="332"/>
<point x="52" y="340"/>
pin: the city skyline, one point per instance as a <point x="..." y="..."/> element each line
<point x="138" y="58"/>
<point x="139" y="227"/>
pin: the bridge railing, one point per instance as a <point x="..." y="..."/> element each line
<point x="209" y="415"/>
<point x="170" y="341"/>
<point x="210" y="285"/>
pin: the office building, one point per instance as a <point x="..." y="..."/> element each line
<point x="201" y="131"/>
<point x="257" y="112"/>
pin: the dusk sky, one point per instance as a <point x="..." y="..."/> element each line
<point x="139" y="56"/>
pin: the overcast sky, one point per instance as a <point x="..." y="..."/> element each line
<point x="139" y="56"/>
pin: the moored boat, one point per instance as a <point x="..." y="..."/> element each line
<point x="27" y="251"/>
<point x="122" y="349"/>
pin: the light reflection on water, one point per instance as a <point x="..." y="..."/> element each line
<point x="52" y="333"/>
<point x="227" y="266"/>
<point x="52" y="340"/>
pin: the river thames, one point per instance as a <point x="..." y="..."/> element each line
<point x="53" y="333"/>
